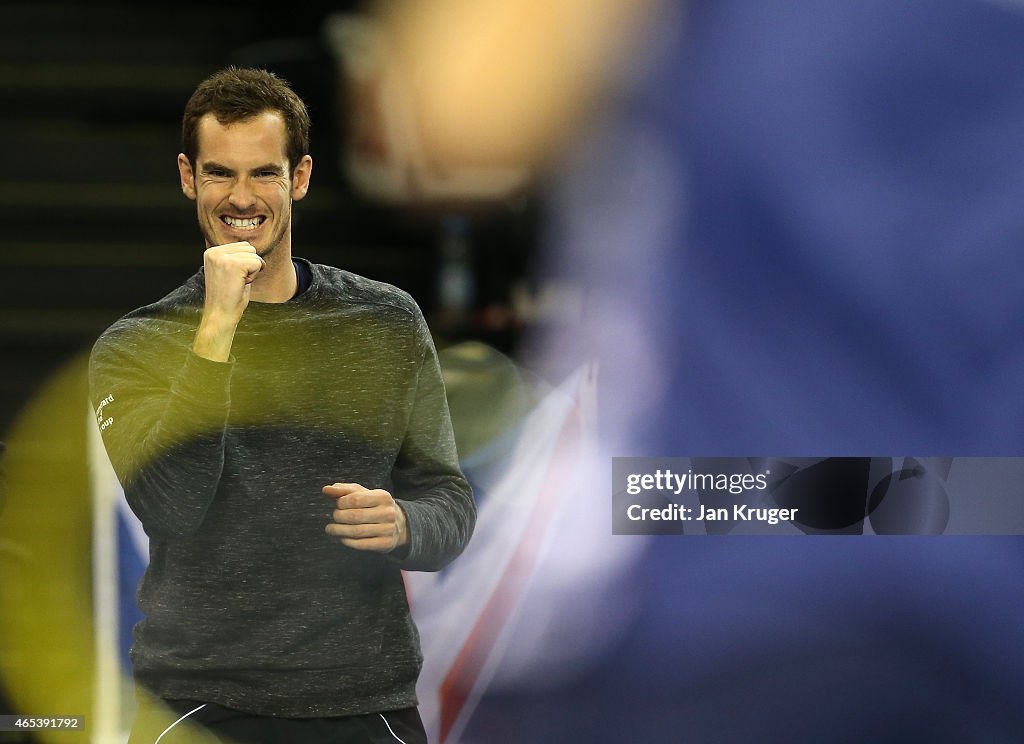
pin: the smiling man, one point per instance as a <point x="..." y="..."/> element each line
<point x="281" y="430"/>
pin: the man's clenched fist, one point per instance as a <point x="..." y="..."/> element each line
<point x="229" y="270"/>
<point x="366" y="519"/>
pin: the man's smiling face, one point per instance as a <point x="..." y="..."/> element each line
<point x="242" y="183"/>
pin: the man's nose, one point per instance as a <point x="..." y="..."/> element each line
<point x="242" y="195"/>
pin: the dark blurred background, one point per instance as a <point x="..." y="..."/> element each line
<point x="94" y="223"/>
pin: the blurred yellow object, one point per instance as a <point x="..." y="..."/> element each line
<point x="46" y="633"/>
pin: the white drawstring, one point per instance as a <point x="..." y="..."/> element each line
<point x="182" y="719"/>
<point x="389" y="727"/>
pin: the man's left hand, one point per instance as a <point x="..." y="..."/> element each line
<point x="366" y="519"/>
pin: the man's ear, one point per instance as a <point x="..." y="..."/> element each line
<point x="300" y="177"/>
<point x="188" y="177"/>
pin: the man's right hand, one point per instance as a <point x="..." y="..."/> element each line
<point x="230" y="270"/>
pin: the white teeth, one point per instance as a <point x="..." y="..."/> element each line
<point x="247" y="224"/>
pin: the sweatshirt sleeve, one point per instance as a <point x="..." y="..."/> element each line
<point x="162" y="413"/>
<point x="430" y="487"/>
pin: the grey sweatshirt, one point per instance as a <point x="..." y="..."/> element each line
<point x="247" y="602"/>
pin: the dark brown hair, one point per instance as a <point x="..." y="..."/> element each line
<point x="237" y="93"/>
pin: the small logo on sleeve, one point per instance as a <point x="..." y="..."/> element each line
<point x="102" y="419"/>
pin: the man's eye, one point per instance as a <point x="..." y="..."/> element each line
<point x="216" y="173"/>
<point x="267" y="174"/>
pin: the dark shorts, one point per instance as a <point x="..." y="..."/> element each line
<point x="195" y="722"/>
